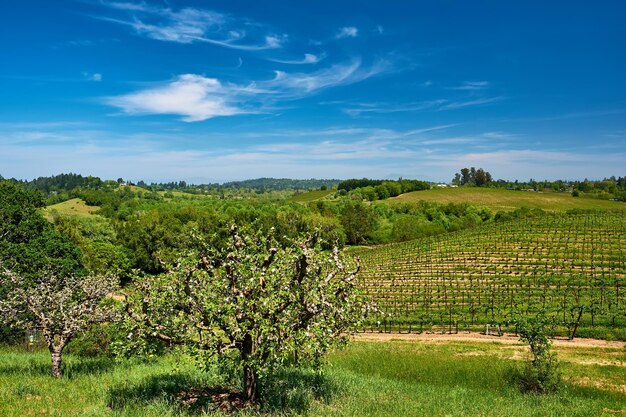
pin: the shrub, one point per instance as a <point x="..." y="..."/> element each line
<point x="541" y="374"/>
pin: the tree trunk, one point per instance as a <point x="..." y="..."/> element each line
<point x="56" y="360"/>
<point x="249" y="373"/>
<point x="249" y="384"/>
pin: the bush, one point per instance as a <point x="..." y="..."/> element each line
<point x="95" y="341"/>
<point x="541" y="374"/>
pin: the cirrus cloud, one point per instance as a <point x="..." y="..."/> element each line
<point x="197" y="98"/>
<point x="191" y="25"/>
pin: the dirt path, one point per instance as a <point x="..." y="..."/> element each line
<point x="478" y="337"/>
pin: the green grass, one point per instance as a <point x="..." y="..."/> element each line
<point x="367" y="379"/>
<point x="506" y="200"/>
<point x="311" y="196"/>
<point x="73" y="207"/>
<point x="459" y="379"/>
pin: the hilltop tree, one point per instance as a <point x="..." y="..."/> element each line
<point x="251" y="303"/>
<point x="478" y="177"/>
<point x="465" y="176"/>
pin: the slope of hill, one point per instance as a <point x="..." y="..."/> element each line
<point x="490" y="274"/>
<point x="506" y="200"/>
<point x="309" y="196"/>
<point x="73" y="207"/>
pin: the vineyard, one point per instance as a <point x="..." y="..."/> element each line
<point x="571" y="267"/>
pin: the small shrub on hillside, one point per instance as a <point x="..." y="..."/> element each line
<point x="541" y="374"/>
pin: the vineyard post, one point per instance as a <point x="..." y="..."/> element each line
<point x="580" y="314"/>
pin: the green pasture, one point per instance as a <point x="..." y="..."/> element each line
<point x="497" y="199"/>
<point x="72" y="207"/>
<point x="366" y="379"/>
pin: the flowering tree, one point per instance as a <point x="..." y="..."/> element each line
<point x="253" y="303"/>
<point x="58" y="306"/>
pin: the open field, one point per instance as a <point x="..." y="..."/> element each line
<point x="180" y="194"/>
<point x="311" y="196"/>
<point x="506" y="200"/>
<point x="73" y="207"/>
<point x="133" y="188"/>
<point x="488" y="275"/>
<point x="368" y="378"/>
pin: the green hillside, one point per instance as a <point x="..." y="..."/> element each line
<point x="73" y="207"/>
<point x="311" y="196"/>
<point x="498" y="199"/>
<point x="489" y="274"/>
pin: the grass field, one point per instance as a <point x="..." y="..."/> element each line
<point x="506" y="200"/>
<point x="367" y="379"/>
<point x="311" y="196"/>
<point x="73" y="207"/>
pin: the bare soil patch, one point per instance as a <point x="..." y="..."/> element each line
<point x="479" y="337"/>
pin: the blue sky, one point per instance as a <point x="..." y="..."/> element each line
<point x="214" y="91"/>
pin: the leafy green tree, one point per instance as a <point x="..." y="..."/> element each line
<point x="478" y="177"/>
<point x="465" y="176"/>
<point x="28" y="242"/>
<point x="358" y="222"/>
<point x="251" y="303"/>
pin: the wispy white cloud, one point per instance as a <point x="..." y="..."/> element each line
<point x="347" y="32"/>
<point x="338" y="152"/>
<point x="472" y="86"/>
<point x="197" y="98"/>
<point x="359" y="109"/>
<point x="579" y="115"/>
<point x="11" y="126"/>
<point x="364" y="108"/>
<point x="190" y="25"/>
<point x="499" y="135"/>
<point x="308" y="59"/>
<point x="80" y="42"/>
<point x="349" y="133"/>
<point x="452" y="105"/>
<point x="299" y="84"/>
<point x="453" y="141"/>
<point x="92" y="76"/>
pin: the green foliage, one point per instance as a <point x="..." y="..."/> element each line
<point x="28" y="243"/>
<point x="252" y="302"/>
<point x="541" y="374"/>
<point x="358" y="222"/>
<point x="473" y="177"/>
<point x="96" y="341"/>
<point x="519" y="213"/>
<point x="380" y="189"/>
